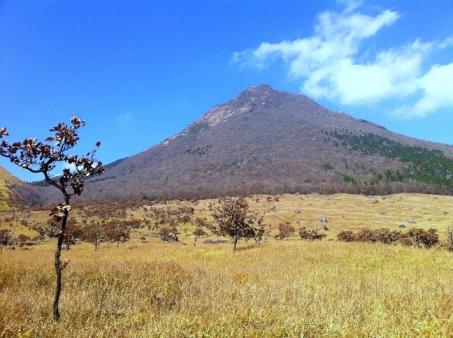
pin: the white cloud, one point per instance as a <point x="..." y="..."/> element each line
<point x="446" y="43"/>
<point x="436" y="87"/>
<point x="125" y="118"/>
<point x="332" y="63"/>
<point x="350" y="5"/>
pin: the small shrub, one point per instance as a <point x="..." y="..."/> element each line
<point x="311" y="234"/>
<point x="285" y="230"/>
<point x="424" y="238"/>
<point x="365" y="235"/>
<point x="346" y="236"/>
<point x="22" y="239"/>
<point x="5" y="238"/>
<point x="198" y="232"/>
<point x="388" y="236"/>
<point x="385" y="236"/>
<point x="168" y="234"/>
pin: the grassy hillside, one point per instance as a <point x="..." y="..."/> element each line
<point x="7" y="198"/>
<point x="342" y="212"/>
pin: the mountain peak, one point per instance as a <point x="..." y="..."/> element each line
<point x="261" y="88"/>
<point x="262" y="91"/>
<point x="246" y="101"/>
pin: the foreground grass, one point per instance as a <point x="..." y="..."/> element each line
<point x="286" y="288"/>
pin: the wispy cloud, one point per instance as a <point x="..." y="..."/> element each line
<point x="331" y="63"/>
<point x="125" y="118"/>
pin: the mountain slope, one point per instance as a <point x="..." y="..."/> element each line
<point x="10" y="187"/>
<point x="267" y="141"/>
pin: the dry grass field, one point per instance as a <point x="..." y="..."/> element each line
<point x="287" y="288"/>
<point x="342" y="211"/>
<point x="281" y="289"/>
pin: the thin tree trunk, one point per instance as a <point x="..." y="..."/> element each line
<point x="235" y="243"/>
<point x="59" y="267"/>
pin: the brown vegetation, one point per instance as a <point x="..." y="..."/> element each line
<point x="311" y="234"/>
<point x="414" y="236"/>
<point x="285" y="230"/>
<point x="234" y="219"/>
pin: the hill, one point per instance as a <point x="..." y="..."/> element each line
<point x="268" y="141"/>
<point x="10" y="187"/>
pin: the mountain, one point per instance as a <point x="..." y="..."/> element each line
<point x="268" y="141"/>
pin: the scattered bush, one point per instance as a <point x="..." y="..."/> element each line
<point x="311" y="234"/>
<point x="285" y="230"/>
<point x="414" y="236"/>
<point x="168" y="233"/>
<point x="385" y="236"/>
<point x="423" y="238"/>
<point x="198" y="232"/>
<point x="5" y="238"/>
<point x="346" y="236"/>
<point x="22" y="240"/>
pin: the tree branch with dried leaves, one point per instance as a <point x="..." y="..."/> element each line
<point x="43" y="157"/>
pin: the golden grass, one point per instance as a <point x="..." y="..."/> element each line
<point x="6" y="180"/>
<point x="281" y="289"/>
<point x="349" y="212"/>
<point x="343" y="211"/>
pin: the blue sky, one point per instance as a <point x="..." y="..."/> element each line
<point x="140" y="71"/>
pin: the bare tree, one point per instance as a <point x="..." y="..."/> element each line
<point x="260" y="231"/>
<point x="234" y="219"/>
<point x="94" y="233"/>
<point x="73" y="233"/>
<point x="44" y="157"/>
<point x="117" y="232"/>
<point x="285" y="230"/>
<point x="198" y="232"/>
